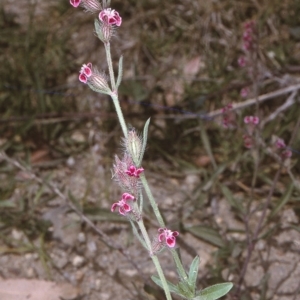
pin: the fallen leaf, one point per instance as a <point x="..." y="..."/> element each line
<point x="21" y="289"/>
<point x="192" y="67"/>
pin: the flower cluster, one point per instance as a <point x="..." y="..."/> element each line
<point x="126" y="174"/>
<point x="228" y="116"/>
<point x="248" y="46"/>
<point x="249" y="36"/>
<point x="280" y="146"/>
<point x="251" y="122"/>
<point x="109" y="18"/>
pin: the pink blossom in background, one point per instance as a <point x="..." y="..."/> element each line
<point x="286" y="154"/>
<point x="280" y="143"/>
<point x="124" y="208"/>
<point x="228" y="116"/>
<point x="110" y="17"/>
<point x="248" y="142"/>
<point x="242" y="61"/>
<point x="251" y="120"/>
<point x="248" y="35"/>
<point x="244" y="92"/>
<point x="167" y="236"/>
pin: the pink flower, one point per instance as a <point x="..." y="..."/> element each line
<point x="280" y="143"/>
<point x="248" y="142"/>
<point x="242" y="61"/>
<point x="96" y="81"/>
<point x="244" y="92"/>
<point x="167" y="236"/>
<point x="251" y="120"/>
<point x="286" y="154"/>
<point x="133" y="171"/>
<point x="85" y="72"/>
<point x="110" y="17"/>
<point x="124" y="208"/>
<point x="249" y="36"/>
<point x="228" y="116"/>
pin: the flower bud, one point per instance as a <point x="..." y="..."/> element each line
<point x="104" y="31"/>
<point x="92" y="6"/>
<point x="98" y="83"/>
<point x="133" y="145"/>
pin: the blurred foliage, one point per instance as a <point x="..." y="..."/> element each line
<point x="157" y="39"/>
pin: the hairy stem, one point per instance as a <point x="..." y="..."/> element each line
<point x="161" y="222"/>
<point x="155" y="260"/>
<point x="119" y="114"/>
<point x="110" y="66"/>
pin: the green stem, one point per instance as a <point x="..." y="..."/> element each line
<point x="155" y="260"/>
<point x="119" y="113"/>
<point x="152" y="201"/>
<point x="161" y="222"/>
<point x="110" y="66"/>
<point x="114" y="94"/>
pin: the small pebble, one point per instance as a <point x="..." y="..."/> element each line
<point x="81" y="237"/>
<point x="77" y="261"/>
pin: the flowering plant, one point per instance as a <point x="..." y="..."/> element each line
<point x="129" y="174"/>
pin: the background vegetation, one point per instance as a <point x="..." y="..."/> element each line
<point x="180" y="63"/>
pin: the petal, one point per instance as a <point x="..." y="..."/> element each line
<point x="171" y="241"/>
<point x="121" y="211"/>
<point x="255" y="120"/>
<point x="161" y="237"/>
<point x="126" y="207"/>
<point x="127" y="196"/>
<point x="82" y="78"/>
<point x="139" y="171"/>
<point x="175" y="233"/>
<point x="87" y="71"/>
<point x="247" y="119"/>
<point x="113" y="207"/>
<point x="161" y="230"/>
<point x="75" y="3"/>
<point x="119" y="21"/>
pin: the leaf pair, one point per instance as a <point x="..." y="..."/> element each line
<point x="187" y="289"/>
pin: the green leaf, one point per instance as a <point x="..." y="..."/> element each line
<point x="231" y="199"/>
<point x="206" y="233"/>
<point x="185" y="290"/>
<point x="120" y="72"/>
<point x="286" y="197"/>
<point x="7" y="203"/>
<point x="193" y="272"/>
<point x="173" y="288"/>
<point x="145" y="136"/>
<point x="214" y="292"/>
<point x="207" y="145"/>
